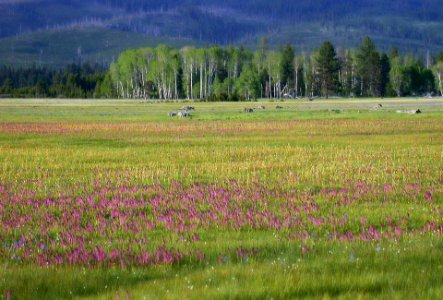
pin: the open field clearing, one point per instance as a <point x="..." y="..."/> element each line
<point x="325" y="199"/>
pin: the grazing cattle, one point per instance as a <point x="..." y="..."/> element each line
<point x="249" y="110"/>
<point x="261" y="107"/>
<point x="188" y="108"/>
<point x="380" y="105"/>
<point x="184" y="114"/>
<point x="172" y="114"/>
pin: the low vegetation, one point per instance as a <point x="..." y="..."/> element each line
<point x="114" y="199"/>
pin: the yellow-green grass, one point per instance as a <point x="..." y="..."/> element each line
<point x="51" y="110"/>
<point x="63" y="146"/>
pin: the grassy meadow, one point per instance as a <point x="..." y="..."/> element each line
<point x="113" y="199"/>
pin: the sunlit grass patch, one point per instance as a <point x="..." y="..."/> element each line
<point x="117" y="200"/>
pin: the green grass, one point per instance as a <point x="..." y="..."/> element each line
<point x="38" y="110"/>
<point x="406" y="270"/>
<point x="52" y="146"/>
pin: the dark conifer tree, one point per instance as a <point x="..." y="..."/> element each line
<point x="287" y="66"/>
<point x="368" y="68"/>
<point x="384" y="74"/>
<point x="328" y="66"/>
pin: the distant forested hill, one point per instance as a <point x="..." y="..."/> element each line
<point x="411" y="25"/>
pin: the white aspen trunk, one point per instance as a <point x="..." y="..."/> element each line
<point x="132" y="89"/>
<point x="165" y="86"/>
<point x="270" y="89"/>
<point x="201" y="80"/>
<point x="440" y="82"/>
<point x="206" y="82"/>
<point x="296" y="82"/>
<point x="159" y="87"/>
<point x="399" y="89"/>
<point x="192" y="71"/>
<point x="187" y="88"/>
<point x="143" y="85"/>
<point x="169" y="91"/>
<point x="211" y="77"/>
<point x="175" y="86"/>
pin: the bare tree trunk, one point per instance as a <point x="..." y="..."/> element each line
<point x="361" y="87"/>
<point x="440" y="82"/>
<point x="192" y="93"/>
<point x="206" y="79"/>
<point x="175" y="85"/>
<point x="296" y="82"/>
<point x="201" y="80"/>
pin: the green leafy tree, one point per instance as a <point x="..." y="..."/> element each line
<point x="347" y="74"/>
<point x="274" y="84"/>
<point x="189" y="64"/>
<point x="248" y="84"/>
<point x="104" y="88"/>
<point x="299" y="84"/>
<point x="396" y="75"/>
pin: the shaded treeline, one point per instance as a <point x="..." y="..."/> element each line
<point x="74" y="81"/>
<point x="236" y="73"/>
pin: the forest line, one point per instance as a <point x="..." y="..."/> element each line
<point x="235" y="74"/>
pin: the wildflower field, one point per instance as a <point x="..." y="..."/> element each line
<point x="325" y="199"/>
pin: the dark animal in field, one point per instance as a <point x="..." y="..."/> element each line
<point x="380" y="105"/>
<point x="184" y="114"/>
<point x="172" y="114"/>
<point x="410" y="112"/>
<point x="188" y="108"/>
<point x="248" y="110"/>
<point x="279" y="107"/>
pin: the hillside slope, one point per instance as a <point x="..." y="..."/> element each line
<point x="411" y="25"/>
